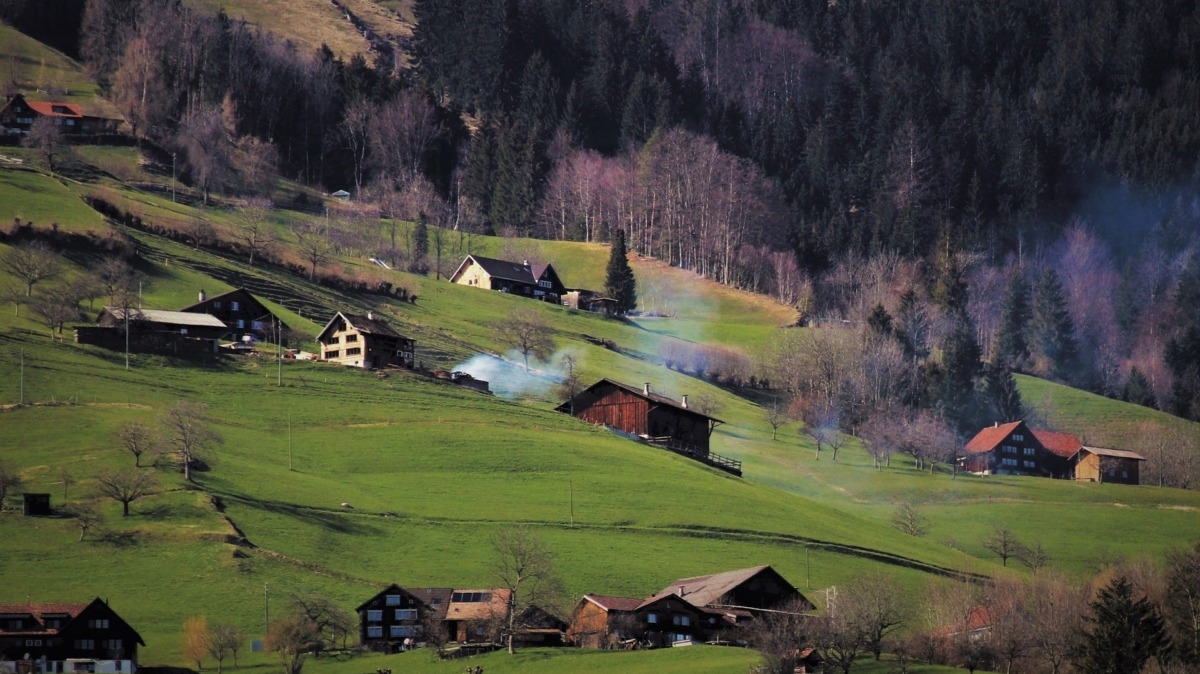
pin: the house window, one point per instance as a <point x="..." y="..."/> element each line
<point x="545" y="284"/>
<point x="241" y="323"/>
<point x="479" y="631"/>
<point x="406" y="614"/>
<point x="375" y="632"/>
<point x="392" y="600"/>
<point x="183" y="331"/>
<point x="216" y="304"/>
<point x="332" y="354"/>
<point x="402" y="630"/>
<point x="99" y="624"/>
<point x="233" y="305"/>
<point x="113" y="644"/>
<point x="1017" y="437"/>
<point x="85" y="645"/>
<point x="1009" y="449"/>
<point x="53" y="623"/>
<point x="1030" y="451"/>
<point x="1125" y="474"/>
<point x="652" y="618"/>
<point x="354" y="352"/>
<point x="680" y="637"/>
<point x="1030" y="464"/>
<point x="682" y="620"/>
<point x="84" y="667"/>
<point x="16" y="624"/>
<point x="351" y="338"/>
<point x="1009" y="462"/>
<point x="374" y="615"/>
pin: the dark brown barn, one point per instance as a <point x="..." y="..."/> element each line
<point x="650" y="417"/>
<point x="242" y="313"/>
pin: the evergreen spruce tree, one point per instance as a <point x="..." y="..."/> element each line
<point x="1051" y="330"/>
<point x="1123" y="634"/>
<point x="1012" y="341"/>
<point x="1138" y="390"/>
<point x="880" y="321"/>
<point x="515" y="195"/>
<point x="417" y="263"/>
<point x="1002" y="393"/>
<point x="911" y="326"/>
<point x="619" y="283"/>
<point x="961" y="369"/>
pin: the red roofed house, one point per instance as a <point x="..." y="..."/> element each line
<point x="66" y="638"/>
<point x="539" y="281"/>
<point x="1016" y="449"/>
<point x="17" y="117"/>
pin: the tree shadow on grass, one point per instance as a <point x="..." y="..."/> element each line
<point x="119" y="539"/>
<point x="335" y="522"/>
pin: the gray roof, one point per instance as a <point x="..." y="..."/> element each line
<point x="707" y="590"/>
<point x="503" y="269"/>
<point x="367" y="326"/>
<point x="1116" y="453"/>
<point x="169" y="317"/>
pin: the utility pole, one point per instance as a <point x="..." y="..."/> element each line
<point x="126" y="331"/>
<point x="807" y="569"/>
<point x="279" y="348"/>
<point x="290" y="441"/>
<point x="22" y="376"/>
<point x="572" y="486"/>
<point x="172" y="177"/>
<point x="266" y="610"/>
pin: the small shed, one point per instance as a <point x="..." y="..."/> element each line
<point x="36" y="505"/>
<point x="1102" y="464"/>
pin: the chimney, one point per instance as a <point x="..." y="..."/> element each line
<point x="995" y="424"/>
<point x="526" y="263"/>
<point x="646" y="388"/>
<point x="683" y="401"/>
<point x="370" y="315"/>
<point x="203" y="295"/>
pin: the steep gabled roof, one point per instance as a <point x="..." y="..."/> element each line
<point x="987" y="439"/>
<point x="610" y="603"/>
<point x="367" y="326"/>
<point x="521" y="272"/>
<point x="55" y="108"/>
<point x="1062" y="444"/>
<point x="641" y="393"/>
<point x="707" y="590"/>
<point x="495" y="605"/>
<point x="235" y="291"/>
<point x="168" y="317"/>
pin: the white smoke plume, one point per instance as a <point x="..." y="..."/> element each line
<point x="507" y="378"/>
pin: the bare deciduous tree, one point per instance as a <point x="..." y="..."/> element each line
<point x="47" y="138"/>
<point x="525" y="567"/>
<point x="31" y="263"/>
<point x="253" y="229"/>
<point x="9" y="479"/>
<point x="1053" y="607"/>
<point x="1004" y="544"/>
<point x="781" y="635"/>
<point x="187" y="429"/>
<point x="315" y="246"/>
<point x="126" y="486"/>
<point x="877" y="606"/>
<point x="527" y="332"/>
<point x="291" y="638"/>
<point x="194" y="641"/>
<point x="221" y="641"/>
<point x="777" y="416"/>
<point x="138" y="439"/>
<point x="331" y="622"/>
<point x="910" y="519"/>
<point x="87" y="518"/>
<point x="54" y="310"/>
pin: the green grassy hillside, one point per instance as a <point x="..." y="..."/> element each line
<point x="431" y="472"/>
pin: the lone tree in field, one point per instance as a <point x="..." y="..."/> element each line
<point x="126" y="486"/>
<point x="138" y="439"/>
<point x="910" y="519"/>
<point x="1123" y="634"/>
<point x="56" y="309"/>
<point x="525" y="567"/>
<point x="253" y="228"/>
<point x="186" y="426"/>
<point x="47" y="139"/>
<point x="527" y="332"/>
<point x="194" y="640"/>
<point x="222" y="641"/>
<point x="87" y="517"/>
<point x="1004" y="544"/>
<point x="315" y="247"/>
<point x="619" y="283"/>
<point x="31" y="263"/>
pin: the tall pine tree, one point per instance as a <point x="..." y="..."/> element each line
<point x="1051" y="330"/>
<point x="619" y="283"/>
<point x="1012" y="341"/>
<point x="1124" y="634"/>
<point x="961" y="369"/>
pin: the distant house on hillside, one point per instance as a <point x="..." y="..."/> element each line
<point x="538" y="281"/>
<point x="18" y="115"/>
<point x="640" y="413"/>
<point x="155" y="330"/>
<point x="1101" y="464"/>
<point x="1016" y="449"/>
<point x="399" y="618"/>
<point x="241" y="312"/>
<point x="364" y="341"/>
<point x="700" y="608"/>
<point x="66" y="638"/>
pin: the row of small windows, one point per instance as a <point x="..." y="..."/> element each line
<point x="681" y="620"/>
<point x="1014" y="462"/>
<point x="376" y="615"/>
<point x="1028" y="451"/>
<point x="376" y="631"/>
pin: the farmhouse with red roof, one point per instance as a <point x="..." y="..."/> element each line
<point x="66" y="638"/>
<point x="18" y="114"/>
<point x="1016" y="449"/>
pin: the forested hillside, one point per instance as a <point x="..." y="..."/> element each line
<point x="851" y="159"/>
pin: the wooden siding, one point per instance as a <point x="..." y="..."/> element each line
<point x="1090" y="467"/>
<point x="621" y="410"/>
<point x="474" y="276"/>
<point x="589" y="626"/>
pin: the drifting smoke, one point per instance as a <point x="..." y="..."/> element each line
<point x="507" y="376"/>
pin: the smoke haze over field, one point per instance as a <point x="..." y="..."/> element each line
<point x="507" y="376"/>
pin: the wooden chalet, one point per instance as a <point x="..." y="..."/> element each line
<point x="242" y="313"/>
<point x="537" y="281"/>
<point x="154" y="330"/>
<point x="18" y="115"/>
<point x="397" y="618"/>
<point x="646" y="415"/>
<point x="364" y="341"/>
<point x="66" y="638"/>
<point x="1101" y="464"/>
<point x="710" y="608"/>
<point x="1016" y="449"/>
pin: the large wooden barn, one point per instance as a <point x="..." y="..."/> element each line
<point x="641" y="413"/>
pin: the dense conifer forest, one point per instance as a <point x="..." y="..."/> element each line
<point x="1020" y="176"/>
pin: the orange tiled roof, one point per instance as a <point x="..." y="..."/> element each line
<point x="38" y="611"/>
<point x="987" y="439"/>
<point x="610" y="603"/>
<point x="55" y="108"/>
<point x="1062" y="444"/>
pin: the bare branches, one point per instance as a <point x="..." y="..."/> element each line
<point x="31" y="263"/>
<point x="527" y="332"/>
<point x="138" y="439"/>
<point x="186" y="425"/>
<point x="1004" y="544"/>
<point x="525" y="567"/>
<point x="126" y="486"/>
<point x="911" y="519"/>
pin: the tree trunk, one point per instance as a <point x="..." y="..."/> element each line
<point x="125" y="508"/>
